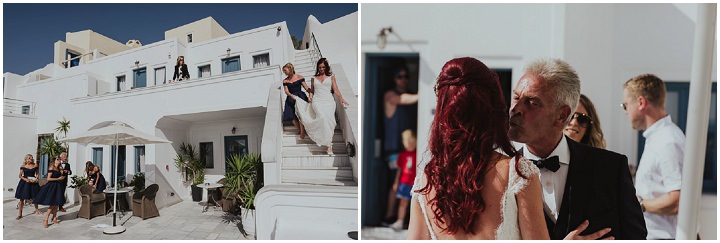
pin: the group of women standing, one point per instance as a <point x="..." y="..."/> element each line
<point x="50" y="194"/>
<point x="312" y="114"/>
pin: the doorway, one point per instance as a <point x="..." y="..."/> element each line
<point x="380" y="142"/>
<point x="235" y="145"/>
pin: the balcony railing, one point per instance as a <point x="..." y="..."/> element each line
<point x="13" y="106"/>
<point x="95" y="54"/>
<point x="315" y="53"/>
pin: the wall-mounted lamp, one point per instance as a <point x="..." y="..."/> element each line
<point x="382" y="37"/>
<point x="169" y="55"/>
<point x="228" y="51"/>
<point x="279" y="28"/>
<point x="233" y="130"/>
<point x="137" y="62"/>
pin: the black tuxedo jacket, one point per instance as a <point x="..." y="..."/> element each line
<point x="186" y="74"/>
<point x="65" y="166"/>
<point x="598" y="188"/>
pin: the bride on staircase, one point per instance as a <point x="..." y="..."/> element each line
<point x="318" y="115"/>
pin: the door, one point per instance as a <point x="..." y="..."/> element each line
<point x="235" y="145"/>
<point x="120" y="164"/>
<point x="380" y="74"/>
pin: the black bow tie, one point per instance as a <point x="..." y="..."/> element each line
<point x="551" y="163"/>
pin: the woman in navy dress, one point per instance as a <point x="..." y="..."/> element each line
<point x="28" y="187"/>
<point x="95" y="178"/>
<point x="293" y="89"/>
<point x="51" y="193"/>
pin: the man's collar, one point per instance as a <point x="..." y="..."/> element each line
<point x="562" y="151"/>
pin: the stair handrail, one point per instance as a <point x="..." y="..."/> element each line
<point x="315" y="53"/>
<point x="271" y="147"/>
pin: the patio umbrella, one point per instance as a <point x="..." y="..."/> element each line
<point x="117" y="133"/>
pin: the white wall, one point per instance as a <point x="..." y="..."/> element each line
<point x="337" y="40"/>
<point x="215" y="132"/>
<point x="19" y="138"/>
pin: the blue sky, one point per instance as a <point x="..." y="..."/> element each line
<point x="30" y="30"/>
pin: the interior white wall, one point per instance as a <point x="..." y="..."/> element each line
<point x="215" y="132"/>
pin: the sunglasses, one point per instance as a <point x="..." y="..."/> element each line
<point x="582" y="119"/>
<point x="624" y="106"/>
<point x="401" y="76"/>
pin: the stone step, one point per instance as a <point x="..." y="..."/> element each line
<point x="292" y="140"/>
<point x="322" y="182"/>
<point x="296" y="130"/>
<point x="337" y="148"/>
<point x="316" y="161"/>
<point x="314" y="174"/>
<point x="287" y="154"/>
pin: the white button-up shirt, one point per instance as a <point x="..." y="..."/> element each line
<point x="553" y="183"/>
<point x="659" y="172"/>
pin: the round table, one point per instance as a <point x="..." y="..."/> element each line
<point x="210" y="187"/>
<point x="121" y="195"/>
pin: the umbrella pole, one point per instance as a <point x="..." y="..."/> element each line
<point x="115" y="229"/>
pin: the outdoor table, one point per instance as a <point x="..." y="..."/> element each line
<point x="122" y="207"/>
<point x="211" y="196"/>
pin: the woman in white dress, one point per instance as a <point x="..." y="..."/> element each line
<point x="318" y="116"/>
<point x="475" y="185"/>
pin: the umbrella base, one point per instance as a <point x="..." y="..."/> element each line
<point x="114" y="230"/>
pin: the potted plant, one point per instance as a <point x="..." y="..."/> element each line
<point x="192" y="168"/>
<point x="244" y="180"/>
<point x="138" y="182"/>
<point x="76" y="182"/>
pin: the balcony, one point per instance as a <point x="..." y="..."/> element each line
<point x="18" y="107"/>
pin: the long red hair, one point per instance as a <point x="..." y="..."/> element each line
<point x="470" y="124"/>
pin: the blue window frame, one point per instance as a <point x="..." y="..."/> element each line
<point x="206" y="154"/>
<point x="231" y="64"/>
<point x="97" y="158"/>
<point x="139" y="158"/>
<point x="676" y="105"/>
<point x="43" y="160"/>
<point x="120" y="82"/>
<point x="140" y="77"/>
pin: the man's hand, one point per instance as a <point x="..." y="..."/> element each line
<point x="575" y="234"/>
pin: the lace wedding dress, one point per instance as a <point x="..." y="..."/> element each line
<point x="508" y="228"/>
<point x="318" y="116"/>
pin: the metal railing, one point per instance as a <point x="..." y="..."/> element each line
<point x="14" y="106"/>
<point x="95" y="54"/>
<point x="314" y="50"/>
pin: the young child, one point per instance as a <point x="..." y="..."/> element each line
<point x="405" y="176"/>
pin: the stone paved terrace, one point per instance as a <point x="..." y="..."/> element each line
<point x="382" y="233"/>
<point x="182" y="221"/>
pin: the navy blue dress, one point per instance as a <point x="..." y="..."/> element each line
<point x="294" y="88"/>
<point x="101" y="185"/>
<point x="51" y="193"/>
<point x="25" y="190"/>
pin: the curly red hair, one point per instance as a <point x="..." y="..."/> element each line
<point x="470" y="124"/>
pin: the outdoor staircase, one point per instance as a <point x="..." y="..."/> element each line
<point x="304" y="65"/>
<point x="304" y="162"/>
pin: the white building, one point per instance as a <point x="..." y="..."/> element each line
<point x="606" y="43"/>
<point x="232" y="102"/>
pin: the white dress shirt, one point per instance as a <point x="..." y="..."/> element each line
<point x="553" y="183"/>
<point x="659" y="172"/>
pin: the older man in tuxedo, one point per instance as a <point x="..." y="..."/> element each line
<point x="66" y="171"/>
<point x="587" y="192"/>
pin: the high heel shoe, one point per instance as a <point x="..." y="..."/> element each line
<point x="55" y="221"/>
<point x="45" y="223"/>
<point x="18" y="217"/>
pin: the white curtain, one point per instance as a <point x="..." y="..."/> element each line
<point x="261" y="60"/>
<point x="205" y="71"/>
<point x="160" y="76"/>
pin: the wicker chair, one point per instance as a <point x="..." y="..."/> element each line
<point x="92" y="204"/>
<point x="143" y="203"/>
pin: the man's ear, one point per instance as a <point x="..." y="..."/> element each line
<point x="563" y="116"/>
<point x="642" y="103"/>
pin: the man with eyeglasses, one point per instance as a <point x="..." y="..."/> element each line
<point x="400" y="112"/>
<point x="658" y="177"/>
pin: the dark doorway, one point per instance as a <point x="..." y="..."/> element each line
<point x="235" y="145"/>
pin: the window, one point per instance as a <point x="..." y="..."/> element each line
<point x="120" y="162"/>
<point x="235" y="145"/>
<point x="140" y="77"/>
<point x="26" y="110"/>
<point x="231" y="64"/>
<point x="204" y="71"/>
<point x="189" y="38"/>
<point x="206" y="154"/>
<point x="43" y="159"/>
<point x="160" y="77"/>
<point x="120" y="83"/>
<point x="676" y="105"/>
<point x="72" y="58"/>
<point x="262" y="60"/>
<point x="97" y="157"/>
<point x="139" y="158"/>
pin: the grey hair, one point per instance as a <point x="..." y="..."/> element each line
<point x="561" y="78"/>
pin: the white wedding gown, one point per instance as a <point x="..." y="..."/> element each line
<point x="508" y="228"/>
<point x="318" y="116"/>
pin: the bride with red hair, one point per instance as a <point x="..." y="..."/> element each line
<point x="475" y="185"/>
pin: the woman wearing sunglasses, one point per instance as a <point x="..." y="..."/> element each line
<point x="584" y="127"/>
